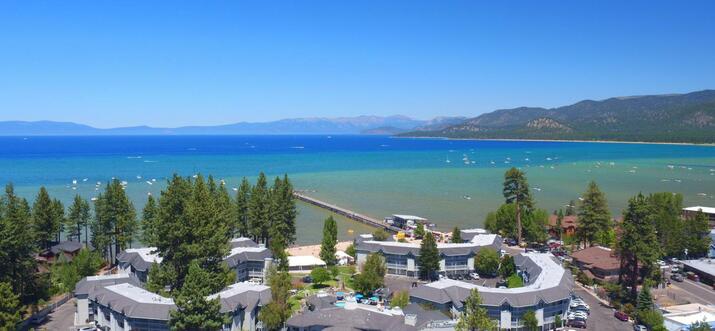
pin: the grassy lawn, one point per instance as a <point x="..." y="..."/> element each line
<point x="514" y="281"/>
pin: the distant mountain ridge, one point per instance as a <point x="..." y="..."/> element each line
<point x="686" y="118"/>
<point x="340" y="125"/>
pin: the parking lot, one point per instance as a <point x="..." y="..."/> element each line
<point x="601" y="317"/>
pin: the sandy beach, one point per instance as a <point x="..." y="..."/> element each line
<point x="315" y="249"/>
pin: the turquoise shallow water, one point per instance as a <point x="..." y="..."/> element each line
<point x="377" y="176"/>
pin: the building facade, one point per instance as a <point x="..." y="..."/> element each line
<point x="401" y="258"/>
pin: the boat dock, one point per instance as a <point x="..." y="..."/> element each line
<point x="346" y="212"/>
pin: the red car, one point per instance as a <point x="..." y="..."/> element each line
<point x="621" y="316"/>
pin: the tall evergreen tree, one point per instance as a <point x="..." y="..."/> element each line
<point x="429" y="258"/>
<point x="372" y="275"/>
<point x="258" y="210"/>
<point x="58" y="213"/>
<point x="193" y="228"/>
<point x="283" y="212"/>
<point x="636" y="246"/>
<point x="243" y="196"/>
<point x="44" y="218"/>
<point x="666" y="208"/>
<point x="456" y="235"/>
<point x="17" y="246"/>
<point x="9" y="308"/>
<point x="78" y="218"/>
<point x="115" y="213"/>
<point x="474" y="317"/>
<point x="697" y="230"/>
<point x="516" y="191"/>
<point x="274" y="314"/>
<point x="330" y="239"/>
<point x="559" y="223"/>
<point x="194" y="311"/>
<point x="149" y="222"/>
<point x="594" y="218"/>
<point x="645" y="299"/>
<point x="530" y="321"/>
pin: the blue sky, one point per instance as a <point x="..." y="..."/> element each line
<point x="178" y="63"/>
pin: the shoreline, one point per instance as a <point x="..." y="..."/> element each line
<point x="562" y="141"/>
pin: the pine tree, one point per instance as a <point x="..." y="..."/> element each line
<point x="148" y="225"/>
<point x="194" y="311"/>
<point x="428" y="260"/>
<point x="258" y="210"/>
<point x="516" y="191"/>
<point x="274" y="314"/>
<point x="474" y="317"/>
<point x="559" y="223"/>
<point x="78" y="218"/>
<point x="372" y="275"/>
<point x="645" y="300"/>
<point x="193" y="228"/>
<point x="9" y="308"/>
<point x="18" y="247"/>
<point x="507" y="267"/>
<point x="330" y="239"/>
<point x="116" y="217"/>
<point x="666" y="208"/>
<point x="456" y="235"/>
<point x="44" y="218"/>
<point x="635" y="246"/>
<point x="58" y="214"/>
<point x="593" y="216"/>
<point x="243" y="196"/>
<point x="697" y="230"/>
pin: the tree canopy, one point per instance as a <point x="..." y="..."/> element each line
<point x="474" y="317"/>
<point x="636" y="246"/>
<point x="456" y="235"/>
<point x="594" y="218"/>
<point x="194" y="311"/>
<point x="330" y="239"/>
<point x="487" y="261"/>
<point x="516" y="191"/>
<point x="428" y="260"/>
<point x="372" y="275"/>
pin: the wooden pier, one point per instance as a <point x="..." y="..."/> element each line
<point x="347" y="213"/>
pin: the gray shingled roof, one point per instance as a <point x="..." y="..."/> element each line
<point x="391" y="247"/>
<point x="88" y="285"/>
<point x="243" y="295"/>
<point x="66" y="246"/>
<point x="133" y="307"/>
<point x="349" y="319"/>
<point x="135" y="260"/>
<point x="250" y="254"/>
<point x="456" y="292"/>
<point x="242" y="242"/>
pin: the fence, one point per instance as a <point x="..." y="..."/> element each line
<point x="39" y="316"/>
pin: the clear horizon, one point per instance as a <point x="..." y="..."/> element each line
<point x="163" y="64"/>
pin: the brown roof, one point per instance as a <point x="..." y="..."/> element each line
<point x="568" y="221"/>
<point x="598" y="257"/>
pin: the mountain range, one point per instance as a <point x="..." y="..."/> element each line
<point x="340" y="125"/>
<point x="686" y="118"/>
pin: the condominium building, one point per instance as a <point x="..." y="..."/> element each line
<point x="547" y="292"/>
<point x="117" y="302"/>
<point x="401" y="257"/>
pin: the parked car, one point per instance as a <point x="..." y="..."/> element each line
<point x="474" y="275"/>
<point x="639" y="327"/>
<point x="307" y="279"/>
<point x="677" y="277"/>
<point x="577" y="324"/>
<point x="510" y="241"/>
<point x="621" y="316"/>
<point x="692" y="276"/>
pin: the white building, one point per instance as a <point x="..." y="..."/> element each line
<point x="679" y="318"/>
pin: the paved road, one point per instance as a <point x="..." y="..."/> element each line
<point x="61" y="319"/>
<point x="699" y="292"/>
<point x="601" y="318"/>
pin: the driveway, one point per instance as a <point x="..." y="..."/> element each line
<point x="61" y="319"/>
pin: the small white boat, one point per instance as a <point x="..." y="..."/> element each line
<point x="74" y="182"/>
<point x="466" y="197"/>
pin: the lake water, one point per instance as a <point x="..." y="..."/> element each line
<point x="451" y="182"/>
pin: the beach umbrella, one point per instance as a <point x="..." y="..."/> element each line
<point x="358" y="296"/>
